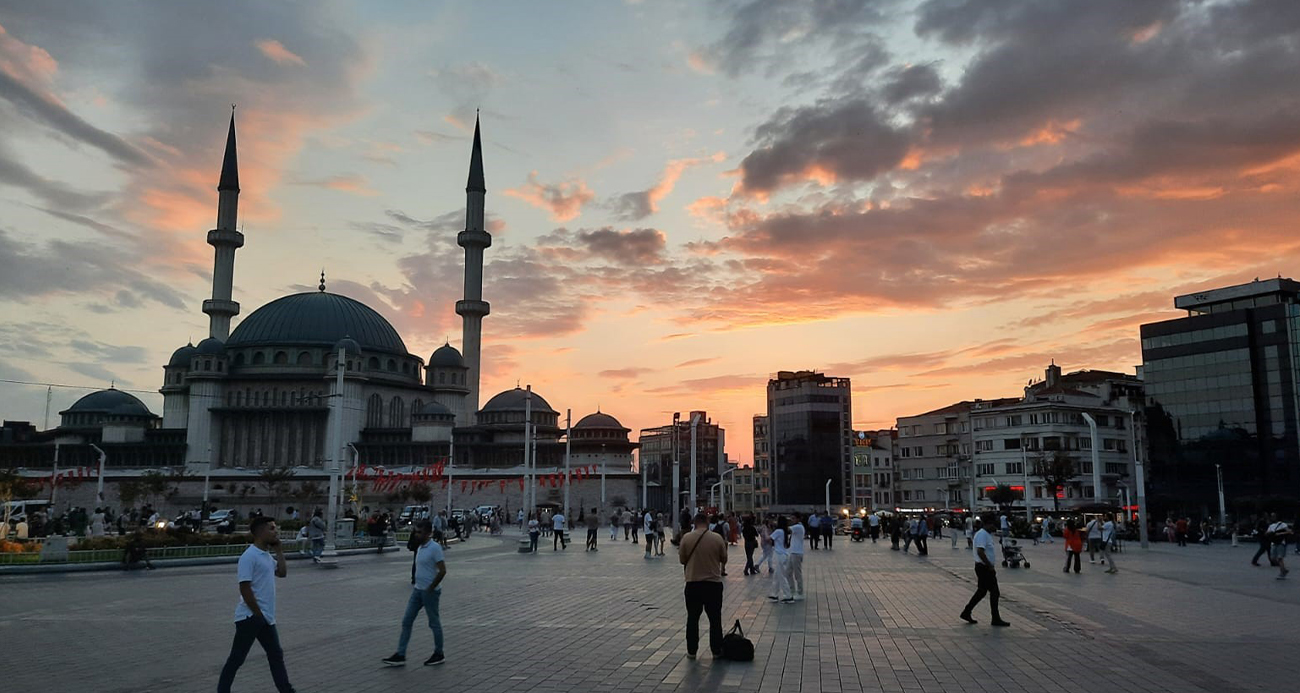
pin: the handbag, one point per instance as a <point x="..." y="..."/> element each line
<point x="735" y="646"/>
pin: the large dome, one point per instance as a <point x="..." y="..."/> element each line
<point x="514" y="400"/>
<point x="109" y="402"/>
<point x="316" y="319"/>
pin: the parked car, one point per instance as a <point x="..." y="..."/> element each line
<point x="217" y="517"/>
<point x="411" y="513"/>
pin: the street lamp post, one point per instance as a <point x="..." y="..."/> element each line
<point x="828" y="496"/>
<point x="1024" y="467"/>
<point x="336" y="454"/>
<point x="603" y="465"/>
<point x="677" y="475"/>
<point x="695" y="424"/>
<point x="99" y="486"/>
<point x="1223" y="514"/>
<point x="1096" y="457"/>
<point x="1139" y="479"/>
<point x="722" y="495"/>
<point x="568" y="438"/>
<point x="528" y="480"/>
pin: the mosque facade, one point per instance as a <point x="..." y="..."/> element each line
<point x="267" y="393"/>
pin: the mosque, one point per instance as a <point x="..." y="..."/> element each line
<point x="267" y="394"/>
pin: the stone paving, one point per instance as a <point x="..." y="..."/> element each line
<point x="1181" y="620"/>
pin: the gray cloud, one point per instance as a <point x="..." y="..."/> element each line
<point x="48" y="112"/>
<point x="765" y="34"/>
<point x="13" y="172"/>
<point x="62" y="267"/>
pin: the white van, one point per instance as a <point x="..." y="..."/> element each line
<point x="20" y="509"/>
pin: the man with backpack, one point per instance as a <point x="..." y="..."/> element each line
<point x="703" y="555"/>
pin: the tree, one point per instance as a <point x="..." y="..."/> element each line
<point x="128" y="492"/>
<point x="421" y="493"/>
<point x="1002" y="495"/>
<point x="152" y="484"/>
<point x="1055" y="469"/>
<point x="276" y="481"/>
<point x="308" y="491"/>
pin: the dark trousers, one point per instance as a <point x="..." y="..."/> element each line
<point x="1072" y="554"/>
<point x="1182" y="538"/>
<point x="246" y="631"/>
<point x="591" y="538"/>
<point x="558" y="541"/>
<point x="987" y="584"/>
<point x="749" y="558"/>
<point x="634" y="531"/>
<point x="814" y="536"/>
<point x="1263" y="551"/>
<point x="707" y="597"/>
<point x="828" y="534"/>
<point x="627" y="531"/>
<point x="921" y="547"/>
<point x="532" y="538"/>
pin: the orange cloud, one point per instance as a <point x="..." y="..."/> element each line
<point x="276" y="51"/>
<point x="25" y="62"/>
<point x="563" y="200"/>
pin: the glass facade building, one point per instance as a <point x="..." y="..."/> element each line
<point x="810" y="439"/>
<point x="1221" y="388"/>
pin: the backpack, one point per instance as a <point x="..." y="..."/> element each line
<point x="736" y="647"/>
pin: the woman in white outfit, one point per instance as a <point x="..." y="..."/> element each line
<point x="781" y="563"/>
<point x="765" y="543"/>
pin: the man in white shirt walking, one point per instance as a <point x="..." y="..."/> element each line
<point x="430" y="569"/>
<point x="558" y="526"/>
<point x="255" y="613"/>
<point x="1279" y="534"/>
<point x="1107" y="538"/>
<point x="986" y="575"/>
<point x="797" y="534"/>
<point x="1094" y="540"/>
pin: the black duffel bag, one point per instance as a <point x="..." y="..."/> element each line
<point x="736" y="647"/>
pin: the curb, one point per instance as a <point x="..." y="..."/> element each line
<point x="160" y="563"/>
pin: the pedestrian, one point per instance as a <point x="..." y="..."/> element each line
<point x="1073" y="545"/>
<point x="98" y="524"/>
<point x="1108" y="538"/>
<point x="704" y="557"/>
<point x="780" y="562"/>
<point x="873" y="523"/>
<point x="895" y="532"/>
<point x="255" y="612"/>
<point x="636" y="525"/>
<point x="750" y="534"/>
<point x="952" y="531"/>
<point x="1004" y="527"/>
<point x="814" y="531"/>
<point x="1171" y="532"/>
<point x="430" y="569"/>
<point x="765" y="543"/>
<point x="519" y="518"/>
<point x="557" y="528"/>
<point x="795" y="558"/>
<point x="1047" y="531"/>
<point x="968" y="528"/>
<point x="828" y="530"/>
<point x="1094" y="540"/>
<point x="534" y="531"/>
<point x="1206" y="531"/>
<point x="627" y="524"/>
<point x="1265" y="543"/>
<point x="316" y="533"/>
<point x="659" y="534"/>
<point x="1180" y="530"/>
<point x="135" y="553"/>
<point x="613" y="526"/>
<point x="922" y="529"/>
<point x="1279" y="534"/>
<point x="593" y="528"/>
<point x="647" y="525"/>
<point x="986" y="576"/>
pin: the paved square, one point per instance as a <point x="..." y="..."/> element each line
<point x="1181" y="620"/>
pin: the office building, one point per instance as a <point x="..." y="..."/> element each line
<point x="810" y="440"/>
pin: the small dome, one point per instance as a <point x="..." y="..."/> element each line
<point x="110" y="401"/>
<point x="348" y="345"/>
<point x="181" y="357"/>
<point x="514" y="400"/>
<point x="446" y="356"/>
<point x="210" y="347"/>
<point x="599" y="420"/>
<point x="433" y="408"/>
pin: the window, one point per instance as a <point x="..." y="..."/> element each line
<point x="907" y="495"/>
<point x="1011" y="444"/>
<point x="984" y="469"/>
<point x="920" y="495"/>
<point x="1052" y="443"/>
<point x="1031" y="443"/>
<point x="281" y="358"/>
<point x="396" y="413"/>
<point x="392" y="366"/>
<point x="940" y="429"/>
<point x="259" y="358"/>
<point x="372" y="364"/>
<point x="907" y="474"/>
<point x="374" y="411"/>
<point x="304" y="358"/>
<point x="983" y="446"/>
<point x="920" y="474"/>
<point x="1015" y="468"/>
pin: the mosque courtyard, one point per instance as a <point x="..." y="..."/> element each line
<point x="1184" y="620"/>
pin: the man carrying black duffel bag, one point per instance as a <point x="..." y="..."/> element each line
<point x="703" y="555"/>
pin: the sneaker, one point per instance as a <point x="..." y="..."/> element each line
<point x="774" y="598"/>
<point x="395" y="660"/>
<point x="968" y="618"/>
<point x="790" y="600"/>
<point x="799" y="597"/>
<point x="690" y="655"/>
<point x="1092" y="560"/>
<point x="1000" y="623"/>
<point x="435" y="659"/>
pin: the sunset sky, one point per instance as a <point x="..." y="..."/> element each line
<point x="933" y="198"/>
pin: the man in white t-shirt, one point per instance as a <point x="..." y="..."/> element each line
<point x="986" y="575"/>
<point x="1107" y="538"/>
<point x="647" y="522"/>
<point x="1279" y="534"/>
<point x="797" y="534"/>
<point x="558" y="526"/>
<point x="430" y="569"/>
<point x="873" y="522"/>
<point x="255" y="612"/>
<point x="1094" y="540"/>
<point x="1004" y="528"/>
<point x="814" y="530"/>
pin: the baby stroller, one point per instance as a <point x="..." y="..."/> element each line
<point x="1012" y="555"/>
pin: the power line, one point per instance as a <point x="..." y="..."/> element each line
<point x="73" y="387"/>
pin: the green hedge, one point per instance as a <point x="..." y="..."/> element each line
<point x="156" y="538"/>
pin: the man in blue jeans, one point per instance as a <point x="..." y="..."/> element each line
<point x="255" y="613"/>
<point x="430" y="569"/>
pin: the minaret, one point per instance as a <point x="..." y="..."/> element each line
<point x="474" y="239"/>
<point x="226" y="238"/>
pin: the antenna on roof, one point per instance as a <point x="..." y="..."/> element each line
<point x="322" y="279"/>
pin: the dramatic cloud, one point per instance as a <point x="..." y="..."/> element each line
<point x="635" y="206"/>
<point x="563" y="200"/>
<point x="767" y="33"/>
<point x="277" y="52"/>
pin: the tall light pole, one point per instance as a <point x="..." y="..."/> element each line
<point x="54" y="478"/>
<point x="528" y="429"/>
<point x="677" y="475"/>
<point x="645" y="501"/>
<point x="1096" y="457"/>
<point x="356" y="465"/>
<point x="336" y="453"/>
<point x="1024" y="467"/>
<point x="451" y="464"/>
<point x="722" y="495"/>
<point x="695" y="425"/>
<point x="1139" y="478"/>
<point x="568" y="438"/>
<point x="828" y="496"/>
<point x="1223" y="514"/>
<point x="99" y="486"/>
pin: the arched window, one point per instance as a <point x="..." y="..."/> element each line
<point x="442" y="378"/>
<point x="259" y="358"/>
<point x="396" y="412"/>
<point x="304" y="358"/>
<point x="392" y="366"/>
<point x="372" y="364"/>
<point x="207" y="364"/>
<point x="415" y="406"/>
<point x="375" y="411"/>
<point x="281" y="358"/>
<point x="406" y="368"/>
<point x="239" y="359"/>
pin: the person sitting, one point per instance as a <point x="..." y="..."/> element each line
<point x="135" y="553"/>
